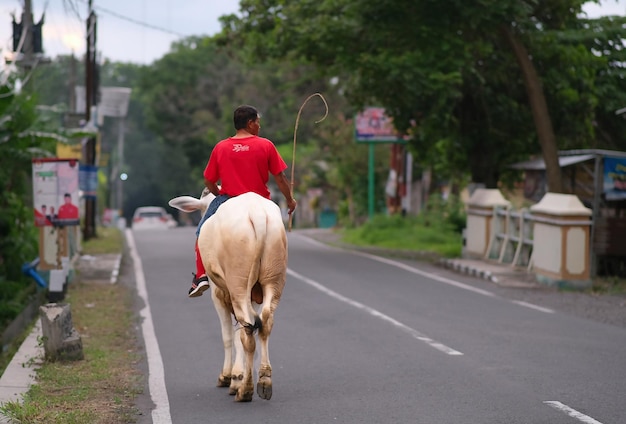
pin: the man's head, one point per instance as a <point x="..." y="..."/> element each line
<point x="67" y="198"/>
<point x="247" y="118"/>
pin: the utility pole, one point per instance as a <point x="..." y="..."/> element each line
<point x="91" y="92"/>
<point x="27" y="34"/>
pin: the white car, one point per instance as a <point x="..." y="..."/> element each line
<point x="152" y="217"/>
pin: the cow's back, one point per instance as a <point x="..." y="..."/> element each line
<point x="246" y="231"/>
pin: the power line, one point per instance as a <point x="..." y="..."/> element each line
<point x="135" y="21"/>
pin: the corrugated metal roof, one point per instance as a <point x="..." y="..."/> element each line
<point x="540" y="165"/>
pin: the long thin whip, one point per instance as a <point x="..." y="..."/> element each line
<point x="295" y="131"/>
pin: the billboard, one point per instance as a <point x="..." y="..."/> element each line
<point x="372" y="125"/>
<point x="55" y="192"/>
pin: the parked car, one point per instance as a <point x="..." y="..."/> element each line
<point x="152" y="217"/>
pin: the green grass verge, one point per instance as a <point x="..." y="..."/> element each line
<point x="406" y="233"/>
<point x="102" y="387"/>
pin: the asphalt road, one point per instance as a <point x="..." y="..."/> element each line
<point x="364" y="339"/>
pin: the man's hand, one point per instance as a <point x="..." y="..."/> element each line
<point x="291" y="205"/>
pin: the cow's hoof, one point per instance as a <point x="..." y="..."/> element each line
<point x="236" y="382"/>
<point x="223" y="381"/>
<point x="264" y="388"/>
<point x="244" y="395"/>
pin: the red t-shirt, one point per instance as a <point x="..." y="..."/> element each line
<point x="243" y="165"/>
<point x="67" y="211"/>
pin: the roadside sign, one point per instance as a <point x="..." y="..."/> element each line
<point x="372" y="125"/>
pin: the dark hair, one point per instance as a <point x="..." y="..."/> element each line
<point x="243" y="114"/>
<point x="67" y="195"/>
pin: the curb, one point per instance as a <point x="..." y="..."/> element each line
<point x="467" y="270"/>
<point x="20" y="373"/>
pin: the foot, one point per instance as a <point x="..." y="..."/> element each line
<point x="198" y="286"/>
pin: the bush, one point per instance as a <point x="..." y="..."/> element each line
<point x="428" y="232"/>
<point x="14" y="297"/>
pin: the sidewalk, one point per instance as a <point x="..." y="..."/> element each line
<point x="20" y="373"/>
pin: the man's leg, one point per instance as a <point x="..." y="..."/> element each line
<point x="200" y="280"/>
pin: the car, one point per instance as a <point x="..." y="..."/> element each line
<point x="152" y="217"/>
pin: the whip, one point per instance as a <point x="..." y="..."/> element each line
<point x="295" y="131"/>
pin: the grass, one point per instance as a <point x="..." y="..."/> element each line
<point x="609" y="286"/>
<point x="418" y="234"/>
<point x="102" y="387"/>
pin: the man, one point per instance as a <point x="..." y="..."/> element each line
<point x="241" y="164"/>
<point x="68" y="212"/>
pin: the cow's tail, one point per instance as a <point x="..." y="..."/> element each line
<point x="258" y="220"/>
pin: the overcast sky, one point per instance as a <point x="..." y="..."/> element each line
<point x="141" y="31"/>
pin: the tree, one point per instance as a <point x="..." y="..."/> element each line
<point x="460" y="77"/>
<point x="22" y="137"/>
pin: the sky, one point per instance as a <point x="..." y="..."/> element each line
<point x="141" y="31"/>
<point x="138" y="31"/>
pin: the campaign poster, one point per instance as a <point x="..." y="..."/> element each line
<point x="614" y="178"/>
<point x="55" y="192"/>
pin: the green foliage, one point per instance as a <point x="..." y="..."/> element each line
<point x="463" y="97"/>
<point x="24" y="134"/>
<point x="14" y="296"/>
<point x="437" y="229"/>
<point x="449" y="213"/>
<point x="19" y="142"/>
<point x="407" y="233"/>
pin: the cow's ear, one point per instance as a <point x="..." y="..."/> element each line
<point x="185" y="203"/>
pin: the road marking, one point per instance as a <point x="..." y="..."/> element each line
<point x="427" y="274"/>
<point x="535" y="307"/>
<point x="156" y="373"/>
<point x="434" y="276"/>
<point x="414" y="333"/>
<point x="410" y="269"/>
<point x="571" y="412"/>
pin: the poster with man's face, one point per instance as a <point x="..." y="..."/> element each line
<point x="55" y="192"/>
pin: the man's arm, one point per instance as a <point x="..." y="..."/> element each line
<point x="213" y="188"/>
<point x="285" y="189"/>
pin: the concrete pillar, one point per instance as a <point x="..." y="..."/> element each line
<point x="60" y="340"/>
<point x="480" y="207"/>
<point x="561" y="241"/>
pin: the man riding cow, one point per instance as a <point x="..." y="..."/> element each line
<point x="242" y="248"/>
<point x="242" y="163"/>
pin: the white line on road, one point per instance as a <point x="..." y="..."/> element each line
<point x="416" y="334"/>
<point x="571" y="412"/>
<point x="156" y="379"/>
<point x="531" y="306"/>
<point x="434" y="277"/>
<point x="426" y="274"/>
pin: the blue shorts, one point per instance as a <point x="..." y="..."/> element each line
<point x="215" y="203"/>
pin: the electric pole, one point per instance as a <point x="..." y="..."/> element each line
<point x="89" y="153"/>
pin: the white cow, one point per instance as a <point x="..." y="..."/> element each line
<point x="244" y="251"/>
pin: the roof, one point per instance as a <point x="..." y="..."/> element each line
<point x="540" y="165"/>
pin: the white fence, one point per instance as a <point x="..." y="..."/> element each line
<point x="511" y="240"/>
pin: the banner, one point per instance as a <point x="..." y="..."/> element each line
<point x="55" y="192"/>
<point x="88" y="176"/>
<point x="614" y="178"/>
